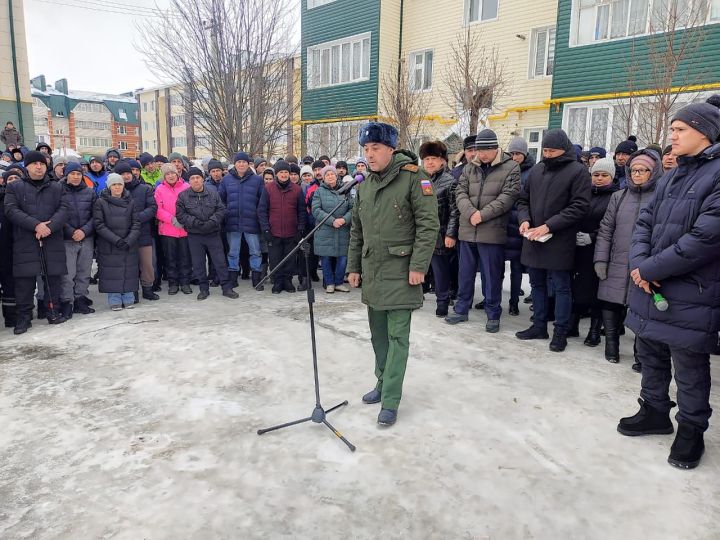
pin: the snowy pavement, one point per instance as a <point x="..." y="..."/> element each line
<point x="143" y="424"/>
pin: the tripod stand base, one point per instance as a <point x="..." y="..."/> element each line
<point x="319" y="417"/>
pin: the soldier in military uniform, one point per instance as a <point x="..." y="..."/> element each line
<point x="394" y="229"/>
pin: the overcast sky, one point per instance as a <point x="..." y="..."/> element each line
<point x="91" y="42"/>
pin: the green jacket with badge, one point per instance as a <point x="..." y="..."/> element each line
<point x="394" y="229"/>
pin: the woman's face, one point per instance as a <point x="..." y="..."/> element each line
<point x="639" y="174"/>
<point x="601" y="179"/>
<point x="330" y="179"/>
<point x="171" y="178"/>
<point x="116" y="190"/>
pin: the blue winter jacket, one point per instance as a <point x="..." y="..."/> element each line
<point x="676" y="242"/>
<point x="241" y="196"/>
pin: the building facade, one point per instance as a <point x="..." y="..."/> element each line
<point x="87" y="123"/>
<point x="345" y="66"/>
<point x="14" y="72"/>
<point x="623" y="68"/>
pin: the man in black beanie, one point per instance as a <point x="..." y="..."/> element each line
<point x="555" y="198"/>
<point x="623" y="151"/>
<point x="38" y="211"/>
<point x="469" y="152"/>
<point x="674" y="252"/>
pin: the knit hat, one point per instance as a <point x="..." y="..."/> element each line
<point x="702" y="117"/>
<point x="114" y="178"/>
<point x="598" y="151"/>
<point x="145" y="160"/>
<point x="556" y="139"/>
<point x="342" y="164"/>
<point x="242" y="156"/>
<point x="291" y="159"/>
<point x="378" y="132"/>
<point x="606" y="165"/>
<point x="518" y="144"/>
<point x="122" y="167"/>
<point x="194" y="171"/>
<point x="33" y="157"/>
<point x="73" y="166"/>
<point x="214" y="164"/>
<point x="361" y="160"/>
<point x="281" y="165"/>
<point x="11" y="172"/>
<point x="97" y="159"/>
<point x="433" y="149"/>
<point x="327" y="169"/>
<point x="627" y="147"/>
<point x="59" y="160"/>
<point x="486" y="140"/>
<point x="295" y="168"/>
<point x="160" y="158"/>
<point x="175" y="155"/>
<point x="259" y="160"/>
<point x="642" y="159"/>
<point x="307" y="160"/>
<point x="469" y="142"/>
<point x="134" y="164"/>
<point x="318" y="165"/>
<point x="306" y="169"/>
<point x="166" y="168"/>
<point x="111" y="152"/>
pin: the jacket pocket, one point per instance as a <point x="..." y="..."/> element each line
<point x="396" y="264"/>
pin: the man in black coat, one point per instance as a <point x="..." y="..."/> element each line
<point x="554" y="200"/>
<point x="37" y="208"/>
<point x="674" y="252"/>
<point x="13" y="174"/>
<point x="146" y="207"/>
<point x="201" y="212"/>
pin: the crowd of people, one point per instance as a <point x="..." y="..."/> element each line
<point x="613" y="239"/>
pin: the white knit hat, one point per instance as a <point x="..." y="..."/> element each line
<point x="606" y="165"/>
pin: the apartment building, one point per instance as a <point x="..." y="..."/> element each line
<point x="15" y="98"/>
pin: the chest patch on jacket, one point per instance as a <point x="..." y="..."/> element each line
<point x="426" y="187"/>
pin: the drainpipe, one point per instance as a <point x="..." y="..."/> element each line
<point x="400" y="41"/>
<point x="15" y="68"/>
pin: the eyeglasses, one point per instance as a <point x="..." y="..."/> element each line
<point x="639" y="171"/>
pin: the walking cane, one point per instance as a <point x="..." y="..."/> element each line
<point x="44" y="275"/>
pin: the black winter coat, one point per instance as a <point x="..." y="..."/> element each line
<point x="28" y="203"/>
<point x="200" y="213"/>
<point x="117" y="219"/>
<point x="444" y="185"/>
<point x="585" y="280"/>
<point x="146" y="206"/>
<point x="6" y="238"/>
<point x="80" y="200"/>
<point x="676" y="242"/>
<point x="513" y="246"/>
<point x="557" y="194"/>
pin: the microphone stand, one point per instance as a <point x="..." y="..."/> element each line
<point x="319" y="414"/>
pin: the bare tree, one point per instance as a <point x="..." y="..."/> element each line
<point x="662" y="69"/>
<point x="232" y="66"/>
<point x="404" y="107"/>
<point x="475" y="78"/>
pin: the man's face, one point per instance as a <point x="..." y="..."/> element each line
<point x="44" y="150"/>
<point x="487" y="155"/>
<point x="151" y="167"/>
<point x="95" y="166"/>
<point x="433" y="164"/>
<point x="37" y="170"/>
<point x="621" y="158"/>
<point x="84" y="168"/>
<point x="261" y="168"/>
<point x="517" y="157"/>
<point x="360" y="167"/>
<point x="669" y="161"/>
<point x="326" y="162"/>
<point x="12" y="178"/>
<point x="470" y="154"/>
<point x="135" y="172"/>
<point x="112" y="159"/>
<point x="592" y="159"/>
<point x="550" y="153"/>
<point x="378" y="156"/>
<point x="197" y="183"/>
<point x="341" y="171"/>
<point x="216" y="175"/>
<point x="74" y="178"/>
<point x="267" y="178"/>
<point x="242" y="166"/>
<point x="686" y="141"/>
<point x="283" y="176"/>
<point x="59" y="170"/>
<point x="127" y="177"/>
<point x="9" y="125"/>
<point x="317" y="173"/>
<point x="178" y="165"/>
<point x="294" y="178"/>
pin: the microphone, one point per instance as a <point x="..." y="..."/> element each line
<point x="661" y="304"/>
<point x="349" y="185"/>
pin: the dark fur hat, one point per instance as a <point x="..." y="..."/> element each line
<point x="433" y="149"/>
<point x="378" y="132"/>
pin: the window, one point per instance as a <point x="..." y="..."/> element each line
<point x="145" y="126"/>
<point x="317" y="3"/>
<point x="178" y="120"/>
<point x="136" y="131"/>
<point x="100" y="126"/>
<point x="337" y="139"/>
<point x="178" y="141"/>
<point x="137" y="146"/>
<point x="420" y="68"/>
<point x="542" y="52"/>
<point x="123" y="145"/>
<point x="203" y="142"/>
<point x="481" y="10"/>
<point x="154" y="145"/>
<point x="152" y="105"/>
<point x="122" y="130"/>
<point x="94" y="142"/>
<point x="145" y="107"/>
<point x="86" y="106"/>
<point x="146" y="145"/>
<point x="154" y="125"/>
<point x="176" y="99"/>
<point x="122" y="114"/>
<point x="600" y="20"/>
<point x="339" y="62"/>
<point x="534" y="136"/>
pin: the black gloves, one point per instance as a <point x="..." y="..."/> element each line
<point x="268" y="237"/>
<point x="122" y="244"/>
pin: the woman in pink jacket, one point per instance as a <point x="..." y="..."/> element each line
<point x="172" y="234"/>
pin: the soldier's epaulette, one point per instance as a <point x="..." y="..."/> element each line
<point x="410" y="167"/>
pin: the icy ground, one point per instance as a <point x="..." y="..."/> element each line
<point x="142" y="425"/>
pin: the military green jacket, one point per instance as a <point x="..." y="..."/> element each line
<point x="394" y="229"/>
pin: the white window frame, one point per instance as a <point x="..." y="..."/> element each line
<point x="713" y="17"/>
<point x="344" y="145"/>
<point x="550" y="39"/>
<point x="91" y="125"/>
<point x="123" y="145"/>
<point x="413" y="68"/>
<point x="535" y="145"/>
<point x="145" y="106"/>
<point x="356" y="73"/>
<point x="177" y="120"/>
<point x="122" y="130"/>
<point x="90" y="107"/>
<point x="479" y="20"/>
<point x="146" y="145"/>
<point x="312" y="4"/>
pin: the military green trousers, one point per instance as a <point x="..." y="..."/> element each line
<point x="390" y="336"/>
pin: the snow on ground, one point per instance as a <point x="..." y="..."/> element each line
<point x="143" y="424"/>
